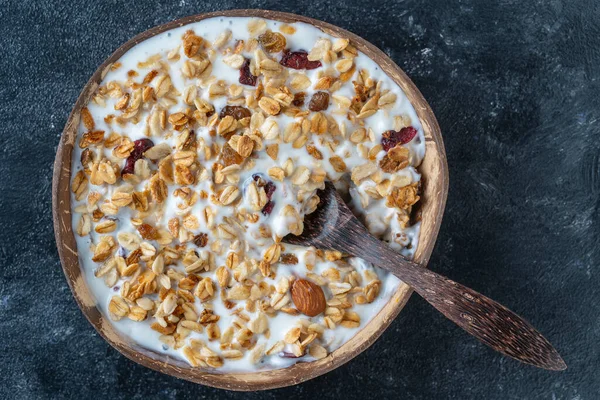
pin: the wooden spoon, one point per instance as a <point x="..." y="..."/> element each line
<point x="333" y="227"/>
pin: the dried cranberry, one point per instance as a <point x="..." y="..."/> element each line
<point x="298" y="60"/>
<point x="237" y="112"/>
<point x="142" y="145"/>
<point x="268" y="208"/>
<point x="129" y="166"/>
<point x="270" y="189"/>
<point x="139" y="147"/>
<point x="246" y="78"/>
<point x="392" y="138"/>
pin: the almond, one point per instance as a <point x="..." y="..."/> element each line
<point x="308" y="297"/>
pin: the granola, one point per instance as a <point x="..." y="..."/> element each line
<point x="200" y="150"/>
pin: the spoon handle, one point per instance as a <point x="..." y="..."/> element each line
<point x="490" y="322"/>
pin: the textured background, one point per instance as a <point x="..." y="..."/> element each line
<point x="514" y="85"/>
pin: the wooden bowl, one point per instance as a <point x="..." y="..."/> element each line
<point x="434" y="170"/>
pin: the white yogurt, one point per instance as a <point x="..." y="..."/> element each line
<point x="380" y="219"/>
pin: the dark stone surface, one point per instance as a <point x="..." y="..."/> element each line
<point x="515" y="88"/>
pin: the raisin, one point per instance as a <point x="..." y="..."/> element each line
<point x="139" y="147"/>
<point x="391" y="138"/>
<point x="148" y="232"/>
<point x="246" y="78"/>
<point x="200" y="239"/>
<point x="230" y="156"/>
<point x="237" y="112"/>
<point x="319" y="101"/>
<point x="272" y="42"/>
<point x="288" y="258"/>
<point x="298" y="60"/>
<point x="298" y="99"/>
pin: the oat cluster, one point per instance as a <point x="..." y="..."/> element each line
<point x="185" y="221"/>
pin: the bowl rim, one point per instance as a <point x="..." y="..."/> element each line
<point x="260" y="380"/>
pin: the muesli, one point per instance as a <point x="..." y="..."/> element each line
<point x="201" y="149"/>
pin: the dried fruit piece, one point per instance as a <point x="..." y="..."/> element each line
<point x="230" y="156"/>
<point x="246" y="77"/>
<point x="200" y="239"/>
<point x="392" y="138"/>
<point x="308" y="297"/>
<point x="129" y="166"/>
<point x="269" y="188"/>
<point x="319" y="101"/>
<point x="148" y="232"/>
<point x="298" y="60"/>
<point x="288" y="258"/>
<point x="139" y="147"/>
<point x="272" y="42"/>
<point x="237" y="112"/>
<point x="298" y="99"/>
<point x="268" y="208"/>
